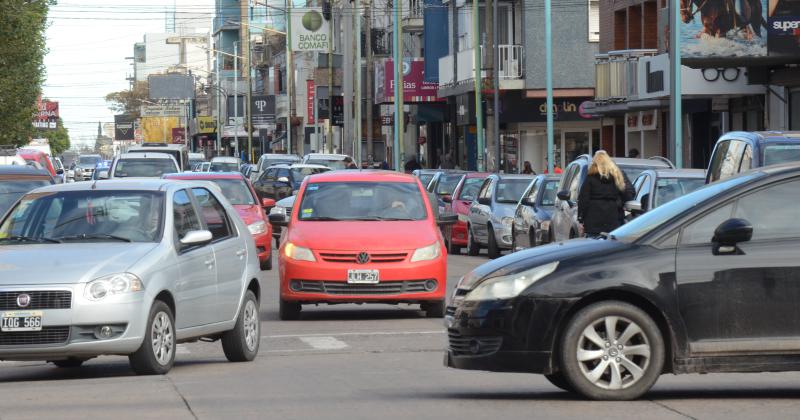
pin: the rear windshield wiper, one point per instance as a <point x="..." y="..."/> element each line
<point x="20" y="238"/>
<point x="95" y="236"/>
<point x="320" y="219"/>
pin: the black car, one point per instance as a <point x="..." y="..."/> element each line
<point x="17" y="180"/>
<point x="705" y="283"/>
<point x="532" y="217"/>
<point x="281" y="181"/>
<point x="740" y="151"/>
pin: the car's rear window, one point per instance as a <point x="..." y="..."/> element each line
<point x="781" y="153"/>
<point x="470" y="189"/>
<point x="334" y="201"/>
<point x="236" y="191"/>
<point x="550" y="190"/>
<point x="223" y="167"/>
<point x="511" y="190"/>
<point x="448" y="183"/>
<point x="133" y="168"/>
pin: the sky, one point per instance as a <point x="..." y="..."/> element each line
<point x="88" y="41"/>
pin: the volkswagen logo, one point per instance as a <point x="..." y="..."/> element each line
<point x="362" y="258"/>
<point x="23" y="300"/>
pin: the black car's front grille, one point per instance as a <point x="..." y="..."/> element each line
<point x="48" y="335"/>
<point x="39" y="299"/>
<point x="472" y="346"/>
<point x="341" y="288"/>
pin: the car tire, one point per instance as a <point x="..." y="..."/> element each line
<point x="493" y="249"/>
<point x="434" y="309"/>
<point x="559" y="381"/>
<point x="242" y="342"/>
<point x="454" y="249"/>
<point x="289" y="311"/>
<point x="156" y="358"/>
<point x="72" y="362"/>
<point x="473" y="248"/>
<point x="267" y="264"/>
<point x="622" y="367"/>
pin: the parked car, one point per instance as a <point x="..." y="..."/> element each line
<point x="237" y="189"/>
<point x="84" y="166"/>
<point x="270" y="159"/>
<point x="159" y="263"/>
<point x="281" y="181"/>
<point x="531" y="226"/>
<point x="463" y="195"/>
<point x="331" y="254"/>
<point x="284" y="208"/>
<point x="564" y="221"/>
<point x="491" y="215"/>
<point x="740" y="151"/>
<point x="62" y="174"/>
<point x="224" y="164"/>
<point x="332" y="161"/>
<point x="680" y="289"/>
<point x="443" y="184"/>
<point x="425" y="175"/>
<point x="178" y="152"/>
<point x="143" y="165"/>
<point x="17" y="180"/>
<point x="656" y="187"/>
<point x="42" y="161"/>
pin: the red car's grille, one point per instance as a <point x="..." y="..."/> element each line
<point x="352" y="257"/>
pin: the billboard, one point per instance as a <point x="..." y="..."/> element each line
<point x="263" y="109"/>
<point x="123" y="127"/>
<point x="309" y="30"/>
<point x="784" y="28"/>
<point x="170" y="86"/>
<point x="158" y="129"/>
<point x="415" y="87"/>
<point x="46" y="116"/>
<point x="206" y="124"/>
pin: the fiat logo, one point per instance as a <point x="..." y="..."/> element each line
<point x="23" y="300"/>
<point x="362" y="258"/>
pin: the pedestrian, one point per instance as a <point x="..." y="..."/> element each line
<point x="556" y="169"/>
<point x="412" y="164"/>
<point x="633" y="153"/>
<point x="602" y="197"/>
<point x="349" y="164"/>
<point x="527" y="169"/>
<point x="385" y="165"/>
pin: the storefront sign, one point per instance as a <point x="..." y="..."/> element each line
<point x="178" y="135"/>
<point x="784" y="28"/>
<point x="206" y="125"/>
<point x="46" y="116"/>
<point x="163" y="110"/>
<point x="518" y="109"/>
<point x="415" y="88"/>
<point x="263" y="109"/>
<point x="123" y="127"/>
<point x="309" y="30"/>
<point x="310" y="100"/>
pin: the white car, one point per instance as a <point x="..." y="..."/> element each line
<point x="225" y="164"/>
<point x="126" y="267"/>
<point x="142" y="165"/>
<point x="330" y="160"/>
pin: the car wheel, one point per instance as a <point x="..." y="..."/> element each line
<point x="559" y="381"/>
<point x="494" y="250"/>
<point x="612" y="351"/>
<point x="289" y="311"/>
<point x="156" y="355"/>
<point x="241" y="343"/>
<point x="72" y="362"/>
<point x="454" y="249"/>
<point x="434" y="309"/>
<point x="473" y="248"/>
<point x="267" y="264"/>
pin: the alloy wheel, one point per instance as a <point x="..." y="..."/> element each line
<point x="613" y="353"/>
<point x="250" y="325"/>
<point x="162" y="338"/>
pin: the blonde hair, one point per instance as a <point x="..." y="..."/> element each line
<point x="605" y="167"/>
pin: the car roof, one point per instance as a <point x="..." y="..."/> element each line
<point x="26" y="170"/>
<point x="651" y="163"/>
<point x="477" y="174"/>
<point x="328" y="156"/>
<point x="679" y="173"/>
<point x="148" y="155"/>
<point x="138" y="184"/>
<point x="205" y="175"/>
<point x="281" y="156"/>
<point x="158" y="146"/>
<point x="514" y="176"/>
<point x="364" y="175"/>
<point x="763" y="136"/>
<point x="225" y="159"/>
<point x="297" y="165"/>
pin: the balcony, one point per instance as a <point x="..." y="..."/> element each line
<point x="413" y="16"/>
<point x="510" y="71"/>
<point x="617" y="75"/>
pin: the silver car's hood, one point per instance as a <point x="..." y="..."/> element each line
<point x="67" y="263"/>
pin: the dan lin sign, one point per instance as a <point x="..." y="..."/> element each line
<point x="309" y="30"/>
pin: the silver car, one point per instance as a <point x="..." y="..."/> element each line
<point x="491" y="215"/>
<point x="126" y="267"/>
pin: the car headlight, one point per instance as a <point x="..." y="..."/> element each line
<point x="506" y="287"/>
<point x="507" y="222"/>
<point x="427" y="253"/>
<point x="278" y="210"/>
<point x="257" y="228"/>
<point x="298" y="253"/>
<point x="114" y="284"/>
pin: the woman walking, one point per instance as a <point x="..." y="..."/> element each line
<point x="602" y="196"/>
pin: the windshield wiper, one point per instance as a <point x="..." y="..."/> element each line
<point x="320" y="219"/>
<point x="20" y="238"/>
<point x="95" y="236"/>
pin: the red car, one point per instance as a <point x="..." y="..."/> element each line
<point x="464" y="193"/>
<point x="362" y="237"/>
<point x="39" y="158"/>
<point x="238" y="190"/>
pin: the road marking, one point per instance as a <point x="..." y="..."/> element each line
<point x="324" y="343"/>
<point x="346" y="334"/>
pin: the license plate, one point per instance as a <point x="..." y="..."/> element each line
<point x="21" y="321"/>
<point x="363" y="276"/>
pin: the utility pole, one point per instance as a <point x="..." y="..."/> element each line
<point x="496" y="78"/>
<point x="548" y="48"/>
<point x="492" y="160"/>
<point x="236" y="98"/>
<point x="330" y="81"/>
<point x="675" y="97"/>
<point x="368" y="31"/>
<point x="247" y="105"/>
<point x="357" y="146"/>
<point x="399" y="118"/>
<point x="476" y="45"/>
<point x="290" y="78"/>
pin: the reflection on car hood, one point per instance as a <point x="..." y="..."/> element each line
<point x="363" y="235"/>
<point x="501" y="210"/>
<point x="67" y="263"/>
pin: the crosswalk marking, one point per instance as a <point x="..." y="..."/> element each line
<point x="324" y="343"/>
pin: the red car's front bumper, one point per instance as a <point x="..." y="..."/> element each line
<point x="459" y="233"/>
<point x="323" y="281"/>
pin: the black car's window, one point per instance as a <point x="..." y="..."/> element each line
<point x="469" y="191"/>
<point x="183" y="212"/>
<point x="781" y="153"/>
<point x="213" y="214"/>
<point x="701" y="230"/>
<point x="549" y="194"/>
<point x="510" y="190"/>
<point x="772" y="211"/>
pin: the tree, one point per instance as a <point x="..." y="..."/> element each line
<point x="129" y="101"/>
<point x="22" y="31"/>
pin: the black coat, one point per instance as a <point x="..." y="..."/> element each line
<point x="600" y="204"/>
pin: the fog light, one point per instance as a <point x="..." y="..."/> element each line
<point x="296" y="286"/>
<point x="430" y="285"/>
<point x="105" y="332"/>
<point x="474" y="346"/>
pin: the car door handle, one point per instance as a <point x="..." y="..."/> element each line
<point x="241" y="253"/>
<point x="209" y="263"/>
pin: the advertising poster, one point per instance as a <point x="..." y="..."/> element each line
<point x="158" y="129"/>
<point x="784" y="28"/>
<point x="724" y="28"/>
<point x="415" y="88"/>
<point x="309" y="30"/>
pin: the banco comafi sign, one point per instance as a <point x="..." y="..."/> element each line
<point x="309" y="30"/>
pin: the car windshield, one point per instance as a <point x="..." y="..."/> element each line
<point x="144" y="167"/>
<point x="333" y="164"/>
<point x="511" y="190"/>
<point x="549" y="196"/>
<point x="299" y="174"/>
<point x="11" y="191"/>
<point x="85" y="216"/>
<point x="362" y="201"/>
<point x="470" y="189"/>
<point x="88" y="160"/>
<point x="236" y="191"/>
<point x="781" y="153"/>
<point x="645" y="223"/>
<point x="425" y="179"/>
<point x="668" y="189"/>
<point x="448" y="183"/>
<point x="224" y="167"/>
<point x="633" y="171"/>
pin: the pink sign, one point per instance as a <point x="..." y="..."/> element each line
<point x="415" y="88"/>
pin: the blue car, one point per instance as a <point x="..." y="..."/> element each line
<point x="103" y="165"/>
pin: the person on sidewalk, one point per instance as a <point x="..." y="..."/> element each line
<point x="602" y="197"/>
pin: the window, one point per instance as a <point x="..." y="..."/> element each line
<point x="531" y="196"/>
<point x="726" y="160"/>
<point x="644" y="193"/>
<point x="594" y="20"/>
<point x="781" y="153"/>
<point x="772" y="211"/>
<point x="470" y="189"/>
<point x="485" y="189"/>
<point x="269" y="174"/>
<point x="549" y="195"/>
<point x="183" y="212"/>
<point x="747" y="159"/>
<point x="283" y="173"/>
<point x="575" y="184"/>
<point x="213" y="214"/>
<point x="510" y="190"/>
<point x="701" y="230"/>
<point x="337" y="201"/>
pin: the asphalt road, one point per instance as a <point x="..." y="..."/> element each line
<point x="359" y="362"/>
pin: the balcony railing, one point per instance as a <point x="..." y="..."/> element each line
<point x="511" y="67"/>
<point x="413" y="17"/>
<point x="616" y="75"/>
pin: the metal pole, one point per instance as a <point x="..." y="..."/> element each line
<point x="398" y="91"/>
<point x="357" y="146"/>
<point x="370" y="148"/>
<point x="247" y="105"/>
<point x="236" y="98"/>
<point x="496" y="78"/>
<point x="675" y="99"/>
<point x="290" y="74"/>
<point x="219" y="106"/>
<point x="476" y="45"/>
<point x="329" y="140"/>
<point x="548" y="42"/>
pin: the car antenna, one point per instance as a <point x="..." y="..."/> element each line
<point x="94" y="185"/>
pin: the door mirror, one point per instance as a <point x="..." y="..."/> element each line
<point x="267" y="203"/>
<point x="732" y="232"/>
<point x="278" y="220"/>
<point x="485" y="201"/>
<point x="635" y="207"/>
<point x="283" y="180"/>
<point x="563" y="195"/>
<point x="196" y="237"/>
<point x="102" y="174"/>
<point x="447" y="219"/>
<point x="447" y="198"/>
<point x="528" y="202"/>
<point x="59" y="172"/>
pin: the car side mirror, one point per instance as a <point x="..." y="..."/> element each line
<point x="447" y="219"/>
<point x="528" y="202"/>
<point x="563" y="195"/>
<point x="485" y="201"/>
<point x="267" y="203"/>
<point x="278" y="220"/>
<point x="196" y="237"/>
<point x="635" y="207"/>
<point x="59" y="172"/>
<point x="732" y="232"/>
<point x="103" y="174"/>
<point x="283" y="179"/>
<point x="447" y="198"/>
